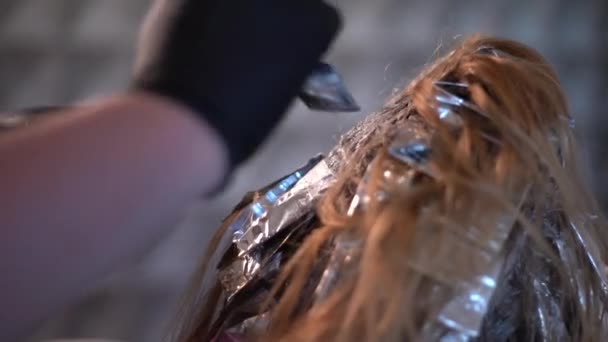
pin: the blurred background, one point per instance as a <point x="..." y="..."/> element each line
<point x="60" y="51"/>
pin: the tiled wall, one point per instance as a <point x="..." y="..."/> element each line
<point x="56" y="51"/>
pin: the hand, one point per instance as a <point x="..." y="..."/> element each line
<point x="237" y="63"/>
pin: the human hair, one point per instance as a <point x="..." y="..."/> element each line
<point x="455" y="210"/>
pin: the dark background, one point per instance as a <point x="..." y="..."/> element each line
<point x="58" y="51"/>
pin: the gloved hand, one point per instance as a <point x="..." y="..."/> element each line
<point x="238" y="63"/>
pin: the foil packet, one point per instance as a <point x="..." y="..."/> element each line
<point x="281" y="205"/>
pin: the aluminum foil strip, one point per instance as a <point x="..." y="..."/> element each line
<point x="281" y="205"/>
<point x="489" y="50"/>
<point x="447" y="101"/>
<point x="285" y="203"/>
<point x="462" y="316"/>
<point x="412" y="147"/>
<point x="266" y="259"/>
<point x="449" y="96"/>
<point x="251" y="326"/>
<point x="242" y="271"/>
<point x="572" y="244"/>
<point x="548" y="318"/>
<point x="247" y="300"/>
<point x="528" y="281"/>
<point x="592" y="253"/>
<point x="539" y="273"/>
<point x="567" y="254"/>
<point x="460" y="319"/>
<point x="548" y="314"/>
<point x="441" y="241"/>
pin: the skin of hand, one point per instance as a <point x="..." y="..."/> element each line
<point x="89" y="189"/>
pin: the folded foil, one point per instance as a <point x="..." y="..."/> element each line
<point x="412" y="147"/>
<point x="253" y="325"/>
<point x="592" y="253"/>
<point x="461" y="317"/>
<point x="249" y="299"/>
<point x="447" y="102"/>
<point x="283" y="204"/>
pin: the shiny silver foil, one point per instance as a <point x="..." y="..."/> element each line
<point x="460" y="319"/>
<point x="527" y="281"/>
<point x="241" y="271"/>
<point x="253" y="325"/>
<point x="281" y="205"/>
<point x="278" y="207"/>
<point x="447" y="102"/>
<point x="489" y="50"/>
<point x="591" y="252"/>
<point x="412" y="147"/>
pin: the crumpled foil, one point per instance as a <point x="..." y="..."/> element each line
<point x="281" y="205"/>
<point x="248" y="300"/>
<point x="290" y="199"/>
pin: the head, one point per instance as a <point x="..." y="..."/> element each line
<point x="456" y="210"/>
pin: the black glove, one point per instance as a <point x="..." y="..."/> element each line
<point x="238" y="63"/>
